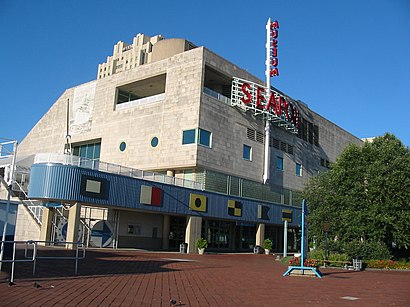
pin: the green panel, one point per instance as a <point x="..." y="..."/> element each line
<point x="216" y="182"/>
<point x="234" y="185"/>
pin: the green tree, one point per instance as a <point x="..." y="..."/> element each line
<point x="365" y="196"/>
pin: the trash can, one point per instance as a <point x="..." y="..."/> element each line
<point x="258" y="249"/>
<point x="357" y="264"/>
<point x="183" y="248"/>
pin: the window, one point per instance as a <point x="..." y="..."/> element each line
<point x="204" y="138"/>
<point x="316" y="135"/>
<point x="247" y="152"/>
<point x="298" y="169"/>
<point x="154" y="141"/>
<point x="188" y="136"/>
<point x="197" y="136"/>
<point x="89" y="151"/>
<point x="279" y="163"/>
<point x="123" y="146"/>
<point x="153" y="89"/>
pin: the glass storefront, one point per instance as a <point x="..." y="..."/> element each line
<point x="246" y="236"/>
<point x="272" y="232"/>
<point x="176" y="232"/>
<point x="217" y="233"/>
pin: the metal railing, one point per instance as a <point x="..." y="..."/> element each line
<point x="14" y="260"/>
<point x="139" y="102"/>
<point x="217" y="95"/>
<point x="35" y="210"/>
<point x="114" y="169"/>
<point x="31" y="255"/>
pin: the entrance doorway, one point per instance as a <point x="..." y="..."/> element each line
<point x="246" y="236"/>
<point x="176" y="231"/>
<point x="218" y="234"/>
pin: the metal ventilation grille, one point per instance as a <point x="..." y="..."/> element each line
<point x="259" y="137"/>
<point x="275" y="143"/>
<point x="290" y="149"/>
<point x="283" y="146"/>
<point x="250" y="133"/>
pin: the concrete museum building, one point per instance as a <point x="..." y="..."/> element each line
<point x="169" y="144"/>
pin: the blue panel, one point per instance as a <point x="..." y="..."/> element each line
<point x="55" y="182"/>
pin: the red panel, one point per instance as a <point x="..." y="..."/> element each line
<point x="156" y="196"/>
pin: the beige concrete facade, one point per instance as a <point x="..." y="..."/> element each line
<point x="193" y="232"/>
<point x="179" y="87"/>
<point x="128" y="56"/>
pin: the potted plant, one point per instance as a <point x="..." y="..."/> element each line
<point x="201" y="244"/>
<point x="267" y="245"/>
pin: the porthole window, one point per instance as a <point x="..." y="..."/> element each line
<point x="154" y="141"/>
<point x="123" y="146"/>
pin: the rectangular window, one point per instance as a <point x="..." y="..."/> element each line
<point x="279" y="163"/>
<point x="197" y="136"/>
<point x="188" y="136"/>
<point x="204" y="137"/>
<point x="141" y="92"/>
<point x="247" y="152"/>
<point x="298" y="169"/>
<point x="310" y="133"/>
<point x="89" y="150"/>
<point x="316" y="135"/>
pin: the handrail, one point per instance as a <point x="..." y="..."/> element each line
<point x="14" y="260"/>
<point x="29" y="200"/>
<point x="114" y="169"/>
<point x="33" y="258"/>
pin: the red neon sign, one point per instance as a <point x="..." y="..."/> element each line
<point x="276" y="104"/>
<point x="274" y="33"/>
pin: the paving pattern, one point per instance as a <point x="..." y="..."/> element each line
<point x="138" y="278"/>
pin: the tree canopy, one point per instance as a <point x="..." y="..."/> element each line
<point x="365" y="196"/>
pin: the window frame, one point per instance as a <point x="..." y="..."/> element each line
<point x="198" y="133"/>
<point x="298" y="170"/>
<point x="280" y="166"/>
<point x="243" y="152"/>
<point x="194" y="136"/>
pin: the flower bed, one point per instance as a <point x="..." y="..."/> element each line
<point x="295" y="261"/>
<point x="387" y="264"/>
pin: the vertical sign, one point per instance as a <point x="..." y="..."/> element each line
<point x="273" y="59"/>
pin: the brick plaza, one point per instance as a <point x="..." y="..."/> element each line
<point x="138" y="278"/>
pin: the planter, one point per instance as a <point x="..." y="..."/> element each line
<point x="201" y="251"/>
<point x="267" y="251"/>
<point x="299" y="272"/>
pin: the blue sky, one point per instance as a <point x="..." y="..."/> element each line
<point x="348" y="60"/>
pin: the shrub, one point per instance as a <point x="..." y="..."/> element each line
<point x="201" y="243"/>
<point x="338" y="257"/>
<point x="367" y="250"/>
<point x="318" y="254"/>
<point x="388" y="264"/>
<point x="267" y="244"/>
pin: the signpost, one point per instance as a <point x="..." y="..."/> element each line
<point x="302" y="266"/>
<point x="263" y="100"/>
<point x="326" y="229"/>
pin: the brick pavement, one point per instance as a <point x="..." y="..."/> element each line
<point x="137" y="278"/>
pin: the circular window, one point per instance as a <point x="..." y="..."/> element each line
<point x="154" y="141"/>
<point x="123" y="145"/>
